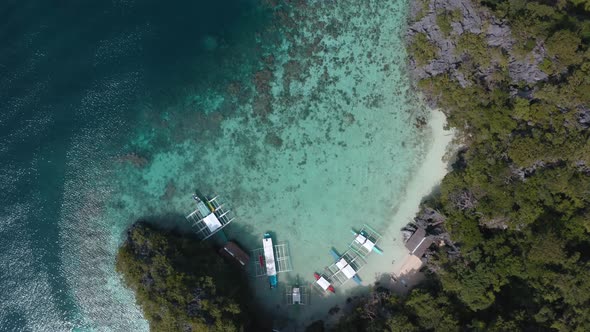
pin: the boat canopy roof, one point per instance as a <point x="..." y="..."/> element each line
<point x="269" y="257"/>
<point x="209" y="217"/>
<point x="360" y="238"/>
<point x="341" y="263"/>
<point x="212" y="222"/>
<point x="322" y="282"/>
<point x="369" y="245"/>
<point x="296" y="295"/>
<point x="348" y="271"/>
<point x="365" y="242"/>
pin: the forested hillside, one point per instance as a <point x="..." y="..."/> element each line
<point x="514" y="77"/>
<point x="181" y="284"/>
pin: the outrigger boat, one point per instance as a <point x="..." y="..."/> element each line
<point x="363" y="238"/>
<point x="365" y="241"/>
<point x="345" y="267"/>
<point x="297" y="294"/>
<point x="323" y="283"/>
<point x="209" y="217"/>
<point x="269" y="258"/>
<point x="272" y="259"/>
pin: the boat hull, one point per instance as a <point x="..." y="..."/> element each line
<point x="273" y="281"/>
<point x="334" y="255"/>
<point x="269" y="261"/>
<point x="357" y="279"/>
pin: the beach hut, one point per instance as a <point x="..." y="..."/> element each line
<point x="419" y="242"/>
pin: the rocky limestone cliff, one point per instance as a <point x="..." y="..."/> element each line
<point x="468" y="18"/>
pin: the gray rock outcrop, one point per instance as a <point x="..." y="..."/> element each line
<point x="475" y="20"/>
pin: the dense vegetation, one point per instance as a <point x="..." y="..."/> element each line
<point x="181" y="284"/>
<point x="518" y="201"/>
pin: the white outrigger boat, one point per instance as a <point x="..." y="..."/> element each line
<point x="269" y="259"/>
<point x="209" y="217"/>
<point x="297" y="294"/>
<point x="272" y="259"/>
<point x="365" y="241"/>
<point x="344" y="267"/>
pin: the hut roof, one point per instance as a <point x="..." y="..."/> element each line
<point x="418" y="242"/>
<point x="415" y="239"/>
<point x="422" y="246"/>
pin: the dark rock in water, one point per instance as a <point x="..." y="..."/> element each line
<point x="334" y="310"/>
<point x="134" y="159"/>
<point x="349" y="118"/>
<point x="316" y="326"/>
<point x="274" y="140"/>
<point x="169" y="191"/>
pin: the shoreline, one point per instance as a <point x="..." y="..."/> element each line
<point x="431" y="172"/>
<point x="396" y="257"/>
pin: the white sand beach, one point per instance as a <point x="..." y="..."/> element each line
<point x="396" y="258"/>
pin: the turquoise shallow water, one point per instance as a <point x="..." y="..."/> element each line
<point x="301" y="117"/>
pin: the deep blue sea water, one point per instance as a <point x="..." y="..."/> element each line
<point x="72" y="73"/>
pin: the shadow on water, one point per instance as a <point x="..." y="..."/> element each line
<point x="173" y="222"/>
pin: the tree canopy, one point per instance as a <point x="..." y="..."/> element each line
<point x="524" y="233"/>
<point x="180" y="283"/>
